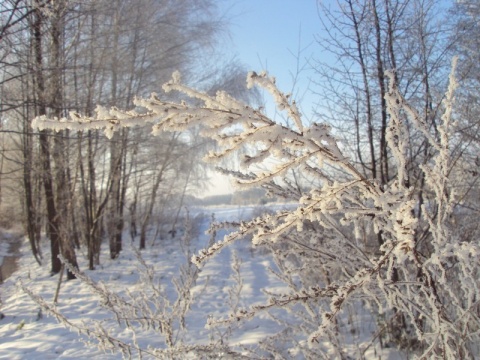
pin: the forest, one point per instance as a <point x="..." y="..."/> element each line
<point x="362" y="241"/>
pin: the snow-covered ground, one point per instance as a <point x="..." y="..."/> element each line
<point x="28" y="333"/>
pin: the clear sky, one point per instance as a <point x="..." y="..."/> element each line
<point x="277" y="36"/>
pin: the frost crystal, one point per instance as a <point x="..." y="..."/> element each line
<point x="349" y="239"/>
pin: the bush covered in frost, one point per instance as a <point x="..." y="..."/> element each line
<point x="350" y="242"/>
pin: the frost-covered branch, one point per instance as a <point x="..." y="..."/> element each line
<point x="349" y="237"/>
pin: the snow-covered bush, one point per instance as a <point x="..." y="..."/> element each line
<point x="350" y="243"/>
<point x="149" y="318"/>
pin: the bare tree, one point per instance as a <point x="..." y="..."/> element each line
<point x="68" y="57"/>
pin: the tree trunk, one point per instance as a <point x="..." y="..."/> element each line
<point x="384" y="177"/>
<point x="368" y="102"/>
<point x="62" y="187"/>
<point x="115" y="222"/>
<point x="164" y="166"/>
<point x="52" y="219"/>
<point x="32" y="225"/>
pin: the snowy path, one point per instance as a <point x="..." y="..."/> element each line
<point x="26" y="333"/>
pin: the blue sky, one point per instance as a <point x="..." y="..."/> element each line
<point x="277" y="36"/>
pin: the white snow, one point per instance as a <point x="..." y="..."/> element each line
<point x="28" y="333"/>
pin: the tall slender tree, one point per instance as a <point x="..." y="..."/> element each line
<point x="68" y="57"/>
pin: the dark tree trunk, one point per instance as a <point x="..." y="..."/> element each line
<point x="384" y="177"/>
<point x="30" y="213"/>
<point x="52" y="220"/>
<point x="368" y="101"/>
<point x="60" y="149"/>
